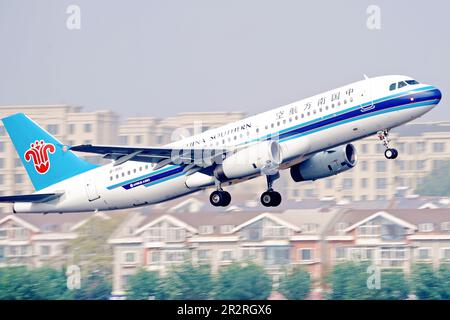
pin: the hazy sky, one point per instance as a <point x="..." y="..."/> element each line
<point x="159" y="58"/>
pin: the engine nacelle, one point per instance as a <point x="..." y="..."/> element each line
<point x="262" y="157"/>
<point x="325" y="164"/>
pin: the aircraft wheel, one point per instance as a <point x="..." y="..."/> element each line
<point x="271" y="199"/>
<point x="391" y="153"/>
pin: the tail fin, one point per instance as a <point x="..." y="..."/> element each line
<point x="46" y="160"/>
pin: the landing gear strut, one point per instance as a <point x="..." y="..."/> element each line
<point x="271" y="198"/>
<point x="389" y="153"/>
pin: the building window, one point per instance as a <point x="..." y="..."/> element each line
<point x="2" y="131"/>
<point x="138" y="139"/>
<point x="437" y="164"/>
<point x="71" y="128"/>
<point x="423" y="253"/>
<point x="309" y="193"/>
<point x="380" y="148"/>
<point x="364" y="182"/>
<point x="420" y="146"/>
<point x="347" y="183"/>
<point x="400" y="165"/>
<point x="226" y="255"/>
<point x="175" y="256"/>
<point x="400" y="147"/>
<point x="420" y="164"/>
<point x="203" y="254"/>
<point x="446" y="254"/>
<point x="207" y="229"/>
<point x="130" y="257"/>
<point x="438" y="147"/>
<point x="53" y="129"/>
<point x="305" y="254"/>
<point x="381" y="183"/>
<point x="426" y="227"/>
<point x="87" y="127"/>
<point x="381" y="166"/>
<point x="18" y="178"/>
<point x="2" y="146"/>
<point x="329" y="183"/>
<point x="445" y="226"/>
<point x="17" y="163"/>
<point x="45" y="250"/>
<point x="364" y="148"/>
<point x="154" y="257"/>
<point x="226" y="228"/>
<point x="2" y="163"/>
<point x="364" y="165"/>
<point x="393" y="256"/>
<point x="123" y="140"/>
<point x="340" y="253"/>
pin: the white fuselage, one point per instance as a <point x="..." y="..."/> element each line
<point x="302" y="128"/>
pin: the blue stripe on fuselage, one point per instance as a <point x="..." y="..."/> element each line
<point x="421" y="96"/>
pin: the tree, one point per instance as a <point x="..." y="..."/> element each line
<point x="437" y="182"/>
<point x="187" y="282"/>
<point x="296" y="284"/>
<point x="394" y="286"/>
<point x="444" y="280"/>
<point x="426" y="282"/>
<point x="95" y="286"/>
<point x="246" y="281"/>
<point x="15" y="283"/>
<point x="90" y="250"/>
<point x="47" y="284"/>
<point x="144" y="284"/>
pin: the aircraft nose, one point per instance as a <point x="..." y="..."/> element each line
<point x="437" y="94"/>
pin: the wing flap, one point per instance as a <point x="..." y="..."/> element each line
<point x="37" y="197"/>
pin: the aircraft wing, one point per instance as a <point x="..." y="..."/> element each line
<point x="40" y="197"/>
<point x="161" y="156"/>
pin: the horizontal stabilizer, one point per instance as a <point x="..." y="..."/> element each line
<point x="39" y="197"/>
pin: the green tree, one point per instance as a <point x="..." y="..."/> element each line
<point x="296" y="284"/>
<point x="15" y="284"/>
<point x="187" y="282"/>
<point x="437" y="182"/>
<point x="90" y="250"/>
<point x="47" y="284"/>
<point x="349" y="281"/>
<point x="95" y="286"/>
<point x="426" y="282"/>
<point x="144" y="284"/>
<point x="243" y="281"/>
<point x="394" y="286"/>
<point x="444" y="280"/>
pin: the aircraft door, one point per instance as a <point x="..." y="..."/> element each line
<point x="367" y="96"/>
<point x="91" y="190"/>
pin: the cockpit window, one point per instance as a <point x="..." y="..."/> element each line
<point x="392" y="86"/>
<point x="402" y="84"/>
<point x="412" y="82"/>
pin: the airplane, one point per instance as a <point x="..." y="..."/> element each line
<point x="310" y="137"/>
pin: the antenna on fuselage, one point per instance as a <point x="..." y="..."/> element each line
<point x="366" y="77"/>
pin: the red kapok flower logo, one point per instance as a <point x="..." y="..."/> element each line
<point x="38" y="152"/>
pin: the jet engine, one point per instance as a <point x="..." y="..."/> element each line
<point x="325" y="164"/>
<point x="263" y="157"/>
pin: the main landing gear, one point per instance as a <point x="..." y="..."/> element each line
<point x="271" y="198"/>
<point x="220" y="198"/>
<point x="389" y="153"/>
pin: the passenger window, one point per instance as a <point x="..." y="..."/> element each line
<point x="392" y="87"/>
<point x="401" y="84"/>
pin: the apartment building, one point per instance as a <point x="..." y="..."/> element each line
<point x="422" y="147"/>
<point x="391" y="238"/>
<point x="37" y="240"/>
<point x="160" y="238"/>
<point x="68" y="124"/>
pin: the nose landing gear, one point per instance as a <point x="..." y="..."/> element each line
<point x="389" y="153"/>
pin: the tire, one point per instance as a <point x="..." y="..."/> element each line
<point x="266" y="199"/>
<point x="226" y="198"/>
<point x="391" y="153"/>
<point x="271" y="199"/>
<point x="276" y="199"/>
<point x="220" y="198"/>
<point x="216" y="198"/>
